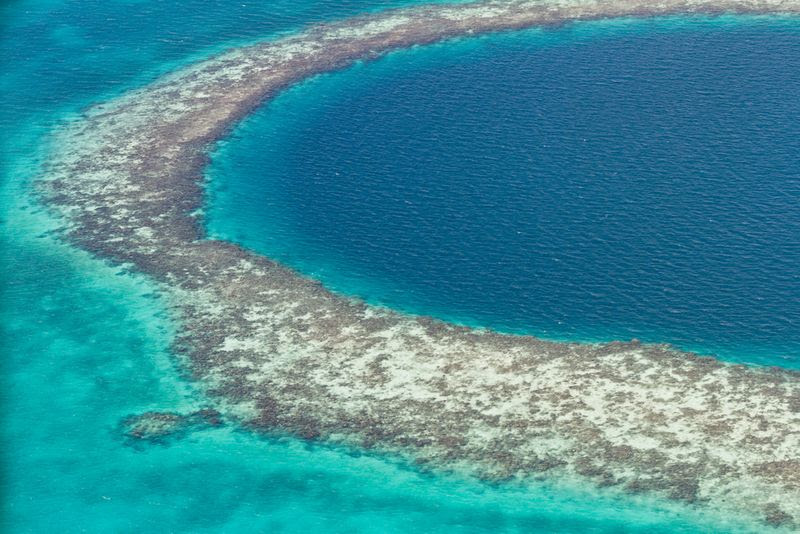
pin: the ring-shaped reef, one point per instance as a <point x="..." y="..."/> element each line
<point x="279" y="352"/>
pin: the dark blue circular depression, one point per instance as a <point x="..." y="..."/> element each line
<point x="600" y="181"/>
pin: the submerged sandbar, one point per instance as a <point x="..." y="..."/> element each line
<point x="277" y="351"/>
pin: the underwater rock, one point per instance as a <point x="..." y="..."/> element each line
<point x="159" y="427"/>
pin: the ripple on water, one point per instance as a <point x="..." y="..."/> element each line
<point x="609" y="180"/>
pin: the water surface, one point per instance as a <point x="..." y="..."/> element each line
<point x="85" y="345"/>
<point x="614" y="180"/>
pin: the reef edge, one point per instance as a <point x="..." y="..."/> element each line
<point x="275" y="350"/>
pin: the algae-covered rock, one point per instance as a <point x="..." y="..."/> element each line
<point x="162" y="426"/>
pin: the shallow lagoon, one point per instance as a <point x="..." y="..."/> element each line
<point x="86" y="345"/>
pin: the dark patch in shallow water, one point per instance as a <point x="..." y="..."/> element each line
<point x="165" y="427"/>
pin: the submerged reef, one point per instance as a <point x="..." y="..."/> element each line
<point x="278" y="352"/>
<point x="162" y="427"/>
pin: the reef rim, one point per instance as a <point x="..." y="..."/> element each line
<point x="278" y="351"/>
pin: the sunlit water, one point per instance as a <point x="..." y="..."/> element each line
<point x="84" y="345"/>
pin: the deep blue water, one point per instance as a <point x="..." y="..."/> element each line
<point x="84" y="345"/>
<point x="604" y="181"/>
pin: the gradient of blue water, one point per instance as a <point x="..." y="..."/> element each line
<point x="603" y="181"/>
<point x="84" y="345"/>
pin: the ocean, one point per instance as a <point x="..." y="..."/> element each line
<point x="86" y="344"/>
<point x="614" y="180"/>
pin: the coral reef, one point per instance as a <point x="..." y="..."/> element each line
<point x="275" y="350"/>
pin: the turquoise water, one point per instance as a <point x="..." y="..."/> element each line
<point x="615" y="180"/>
<point x="89" y="348"/>
<point x="84" y="345"/>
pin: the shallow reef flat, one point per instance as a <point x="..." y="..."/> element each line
<point x="278" y="352"/>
